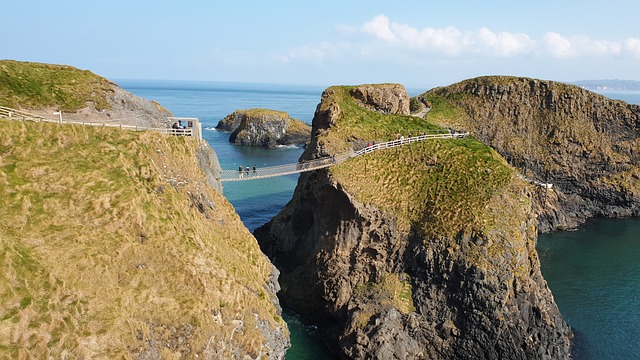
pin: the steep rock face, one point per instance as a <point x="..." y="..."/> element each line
<point x="208" y="161"/>
<point x="430" y="284"/>
<point x="126" y="108"/>
<point x="387" y="99"/>
<point x="583" y="143"/>
<point x="267" y="128"/>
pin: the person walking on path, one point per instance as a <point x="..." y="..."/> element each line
<point x="255" y="170"/>
<point x="240" y="172"/>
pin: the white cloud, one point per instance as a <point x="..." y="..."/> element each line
<point x="504" y="43"/>
<point x="449" y="41"/>
<point x="452" y="42"/>
<point x="315" y="52"/>
<point x="385" y="40"/>
<point x="558" y="46"/>
<point x="562" y="47"/>
<point x="380" y="28"/>
<point x="632" y="46"/>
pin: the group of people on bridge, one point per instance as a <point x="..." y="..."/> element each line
<point x="247" y="171"/>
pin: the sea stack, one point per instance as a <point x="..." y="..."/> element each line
<point x="263" y="127"/>
<point x="421" y="251"/>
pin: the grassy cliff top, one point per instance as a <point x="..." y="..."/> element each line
<point x="354" y="122"/>
<point x="443" y="184"/>
<point x="436" y="189"/>
<point x="260" y="112"/>
<point x="103" y="258"/>
<point x="559" y="127"/>
<point x="29" y="85"/>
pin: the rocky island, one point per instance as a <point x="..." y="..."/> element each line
<point x="421" y="251"/>
<point x="263" y="127"/>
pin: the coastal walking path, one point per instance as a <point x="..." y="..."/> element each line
<point x="195" y="131"/>
<point x="321" y="163"/>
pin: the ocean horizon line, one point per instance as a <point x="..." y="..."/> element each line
<point x="240" y="85"/>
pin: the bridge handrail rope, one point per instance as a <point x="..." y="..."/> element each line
<point x="13" y="114"/>
<point x="287" y="169"/>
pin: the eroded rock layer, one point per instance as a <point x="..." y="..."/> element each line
<point x="266" y="128"/>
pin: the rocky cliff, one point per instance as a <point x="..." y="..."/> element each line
<point x="81" y="95"/>
<point x="422" y="251"/>
<point x="115" y="244"/>
<point x="582" y="143"/>
<point x="262" y="127"/>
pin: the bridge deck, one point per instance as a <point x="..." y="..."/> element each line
<point x="294" y="168"/>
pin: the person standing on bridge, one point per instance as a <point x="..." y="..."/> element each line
<point x="255" y="170"/>
<point x="247" y="170"/>
<point x="240" y="172"/>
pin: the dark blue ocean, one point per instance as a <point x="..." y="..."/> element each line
<point x="594" y="272"/>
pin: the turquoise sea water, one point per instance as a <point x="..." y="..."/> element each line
<point x="592" y="272"/>
<point x="594" y="275"/>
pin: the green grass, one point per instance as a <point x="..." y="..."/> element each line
<point x="435" y="190"/>
<point x="93" y="253"/>
<point x="440" y="184"/>
<point x="358" y="123"/>
<point x="35" y="86"/>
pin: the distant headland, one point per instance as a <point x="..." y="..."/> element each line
<point x="608" y="84"/>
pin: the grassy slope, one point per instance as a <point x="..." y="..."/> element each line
<point x="358" y="123"/>
<point x="436" y="189"/>
<point x="35" y="86"/>
<point x="443" y="179"/>
<point x="569" y="129"/>
<point x="96" y="261"/>
<point x="294" y="126"/>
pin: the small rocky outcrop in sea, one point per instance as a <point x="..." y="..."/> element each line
<point x="397" y="257"/>
<point x="584" y="144"/>
<point x="262" y="127"/>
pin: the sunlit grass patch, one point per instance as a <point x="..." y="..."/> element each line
<point x="441" y="184"/>
<point x="36" y="85"/>
<point x="101" y="242"/>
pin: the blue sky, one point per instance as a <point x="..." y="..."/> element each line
<point x="415" y="43"/>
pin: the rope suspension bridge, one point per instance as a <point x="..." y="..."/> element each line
<point x="243" y="174"/>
